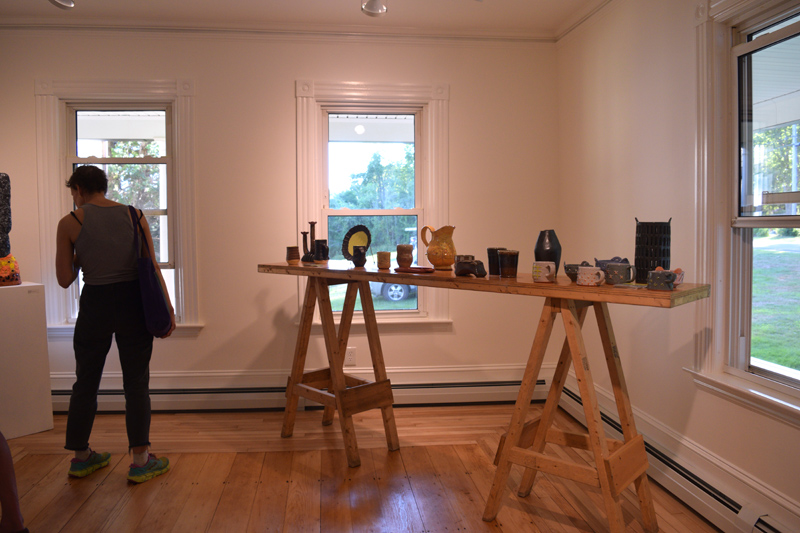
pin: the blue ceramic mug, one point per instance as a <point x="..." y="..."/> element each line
<point x="661" y="280"/>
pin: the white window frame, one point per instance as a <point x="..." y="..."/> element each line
<point x="430" y="104"/>
<point x="742" y="229"/>
<point x="53" y="97"/>
<point x="721" y="251"/>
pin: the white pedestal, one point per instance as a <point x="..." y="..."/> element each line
<point x="25" y="401"/>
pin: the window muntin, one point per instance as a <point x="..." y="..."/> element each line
<point x="132" y="146"/>
<point x="371" y="181"/>
<point x="768" y="193"/>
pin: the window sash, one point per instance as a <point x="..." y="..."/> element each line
<point x="72" y="158"/>
<point x="741" y="84"/>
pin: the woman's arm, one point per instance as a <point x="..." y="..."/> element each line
<point x="151" y="251"/>
<point x="66" y="269"/>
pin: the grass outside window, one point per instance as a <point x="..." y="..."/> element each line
<point x="775" y="330"/>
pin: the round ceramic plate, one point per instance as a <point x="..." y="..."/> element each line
<point x="356" y="236"/>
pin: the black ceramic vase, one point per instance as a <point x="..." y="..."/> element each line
<point x="548" y="248"/>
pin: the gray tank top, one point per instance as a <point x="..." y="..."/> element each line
<point x="105" y="245"/>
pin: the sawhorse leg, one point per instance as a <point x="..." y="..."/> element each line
<point x="331" y="387"/>
<point x="617" y="463"/>
<point x="299" y="361"/>
<point x="625" y="412"/>
<point x="520" y="408"/>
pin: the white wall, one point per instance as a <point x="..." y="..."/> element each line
<point x="502" y="186"/>
<point x="627" y="121"/>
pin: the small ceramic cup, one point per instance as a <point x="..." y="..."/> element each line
<point x="661" y="280"/>
<point x="405" y="255"/>
<point x="544" y="271"/>
<point x="590" y="276"/>
<point x="617" y="273"/>
<point x="494" y="266"/>
<point x="359" y="256"/>
<point x="293" y="255"/>
<point x="384" y="260"/>
<point x="321" y="250"/>
<point x="571" y="269"/>
<point x="507" y="261"/>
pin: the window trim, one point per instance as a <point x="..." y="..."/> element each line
<point x="315" y="99"/>
<point x="52" y="98"/>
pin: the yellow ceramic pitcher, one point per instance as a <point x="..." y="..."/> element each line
<point x="441" y="250"/>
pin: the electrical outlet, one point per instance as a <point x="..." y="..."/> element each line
<point x="350" y="356"/>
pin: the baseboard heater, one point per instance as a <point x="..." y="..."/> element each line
<point x="282" y="390"/>
<point x="761" y="524"/>
<point x="707" y="488"/>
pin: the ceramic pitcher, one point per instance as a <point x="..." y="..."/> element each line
<point x="441" y="250"/>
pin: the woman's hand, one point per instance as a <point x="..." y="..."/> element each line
<point x="171" y="323"/>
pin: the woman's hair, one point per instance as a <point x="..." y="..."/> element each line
<point x="89" y="178"/>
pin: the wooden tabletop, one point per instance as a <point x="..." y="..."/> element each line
<point x="523" y="284"/>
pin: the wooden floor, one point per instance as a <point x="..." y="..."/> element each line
<point x="233" y="472"/>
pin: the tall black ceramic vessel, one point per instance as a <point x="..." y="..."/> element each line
<point x="548" y="248"/>
<point x="652" y="247"/>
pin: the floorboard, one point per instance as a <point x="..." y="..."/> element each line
<point x="232" y="471"/>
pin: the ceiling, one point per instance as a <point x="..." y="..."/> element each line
<point x="515" y="19"/>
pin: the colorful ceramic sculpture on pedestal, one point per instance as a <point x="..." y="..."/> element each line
<point x="9" y="268"/>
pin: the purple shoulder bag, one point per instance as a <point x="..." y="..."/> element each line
<point x="156" y="312"/>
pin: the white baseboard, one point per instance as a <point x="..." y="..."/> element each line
<point x="726" y="496"/>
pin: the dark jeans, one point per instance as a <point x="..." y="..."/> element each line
<point x="107" y="310"/>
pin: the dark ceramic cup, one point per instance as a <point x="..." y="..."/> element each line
<point x="494" y="266"/>
<point x="507" y="261"/>
<point x="320" y="250"/>
<point x="617" y="273"/>
<point x="661" y="280"/>
<point x="359" y="255"/>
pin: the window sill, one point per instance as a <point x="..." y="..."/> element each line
<point x="66" y="331"/>
<point x="358" y="320"/>
<point x="779" y="406"/>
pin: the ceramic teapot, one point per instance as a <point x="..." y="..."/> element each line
<point x="441" y="250"/>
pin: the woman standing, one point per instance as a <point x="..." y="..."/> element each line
<point x="98" y="238"/>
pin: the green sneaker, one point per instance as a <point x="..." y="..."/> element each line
<point x="155" y="467"/>
<point x="95" y="461"/>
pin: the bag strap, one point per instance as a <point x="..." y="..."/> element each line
<point x="137" y="221"/>
<point x="75" y="217"/>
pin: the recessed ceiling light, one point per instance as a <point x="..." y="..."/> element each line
<point x="360" y="129"/>
<point x="373" y="8"/>
<point x="63" y="4"/>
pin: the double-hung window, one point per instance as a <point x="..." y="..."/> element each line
<point x="766" y="225"/>
<point x="133" y="145"/>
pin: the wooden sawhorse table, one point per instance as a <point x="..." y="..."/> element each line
<point x="330" y="386"/>
<point x="617" y="463"/>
